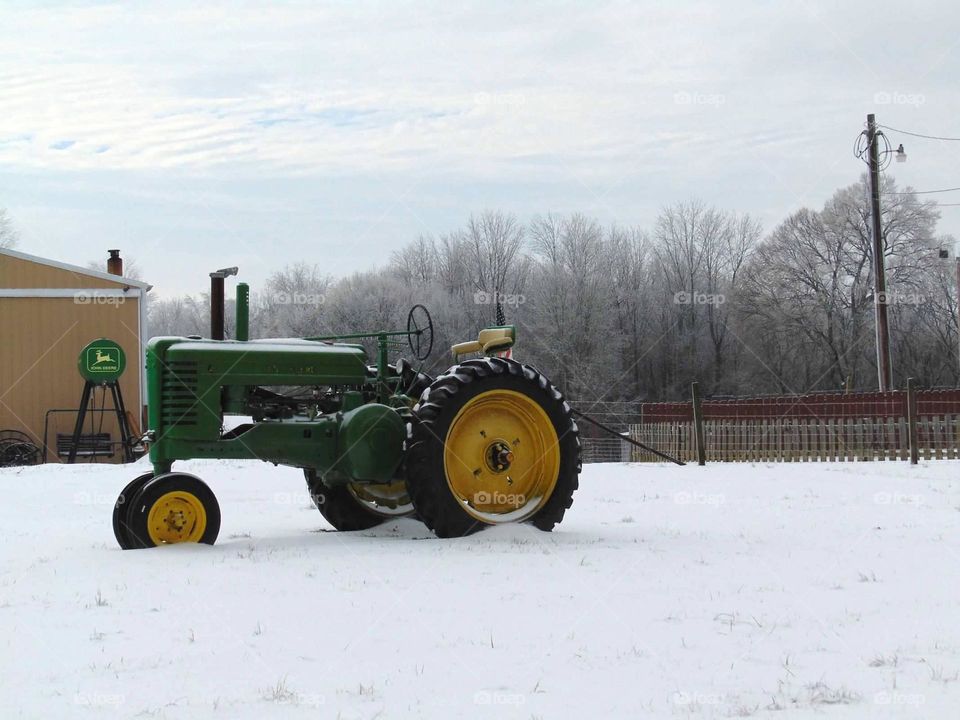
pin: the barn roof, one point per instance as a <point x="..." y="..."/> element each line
<point x="76" y="269"/>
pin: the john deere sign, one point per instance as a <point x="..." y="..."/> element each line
<point x="102" y="361"/>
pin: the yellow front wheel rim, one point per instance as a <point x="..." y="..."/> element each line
<point x="501" y="457"/>
<point x="177" y="517"/>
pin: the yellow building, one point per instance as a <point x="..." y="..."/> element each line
<point x="49" y="311"/>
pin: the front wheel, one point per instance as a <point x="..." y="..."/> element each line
<point x="492" y="442"/>
<point x="121" y="523"/>
<point x="173" y="508"/>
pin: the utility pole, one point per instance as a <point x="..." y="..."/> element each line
<point x="958" y="308"/>
<point x="884" y="370"/>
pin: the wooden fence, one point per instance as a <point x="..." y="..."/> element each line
<point x="811" y="428"/>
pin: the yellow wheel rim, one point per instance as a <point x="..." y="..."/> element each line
<point x="501" y="457"/>
<point x="387" y="500"/>
<point x="176" y="517"/>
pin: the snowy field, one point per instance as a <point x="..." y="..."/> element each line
<point x="783" y="591"/>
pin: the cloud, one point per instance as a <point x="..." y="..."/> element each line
<point x="610" y="107"/>
<point x="302" y="89"/>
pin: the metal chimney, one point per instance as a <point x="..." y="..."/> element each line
<point x="115" y="263"/>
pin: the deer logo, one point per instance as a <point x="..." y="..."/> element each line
<point x="102" y="357"/>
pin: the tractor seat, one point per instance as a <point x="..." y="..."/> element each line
<point x="490" y="340"/>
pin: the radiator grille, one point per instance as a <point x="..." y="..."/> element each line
<point x="179" y="393"/>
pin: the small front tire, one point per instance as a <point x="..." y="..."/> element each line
<point x="121" y="524"/>
<point x="173" y="508"/>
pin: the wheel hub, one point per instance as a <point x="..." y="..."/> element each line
<point x="176" y="520"/>
<point x="499" y="456"/>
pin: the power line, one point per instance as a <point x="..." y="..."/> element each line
<point x="920" y="135"/>
<point x="923" y="192"/>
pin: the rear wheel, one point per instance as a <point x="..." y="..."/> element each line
<point x="173" y="508"/>
<point x="492" y="442"/>
<point x="358" y="506"/>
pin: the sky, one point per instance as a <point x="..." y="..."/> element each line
<point x="195" y="136"/>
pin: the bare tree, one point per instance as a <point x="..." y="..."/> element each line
<point x="628" y="251"/>
<point x="293" y="303"/>
<point x="814" y="276"/>
<point x="417" y="262"/>
<point x="8" y="232"/>
<point x="571" y="321"/>
<point x="493" y="243"/>
<point x="700" y="252"/>
<point x="625" y="314"/>
<point x="180" y="316"/>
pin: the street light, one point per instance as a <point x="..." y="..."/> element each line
<point x="901" y="154"/>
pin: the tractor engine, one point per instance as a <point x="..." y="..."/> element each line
<point x="312" y="405"/>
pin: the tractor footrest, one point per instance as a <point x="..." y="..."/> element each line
<point x="89" y="445"/>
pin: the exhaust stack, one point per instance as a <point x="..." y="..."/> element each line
<point x="217" y="301"/>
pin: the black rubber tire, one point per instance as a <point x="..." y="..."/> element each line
<point x="139" y="509"/>
<point x="339" y="507"/>
<point x="122" y="505"/>
<point x="426" y="479"/>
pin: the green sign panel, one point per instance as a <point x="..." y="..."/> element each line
<point x="102" y="361"/>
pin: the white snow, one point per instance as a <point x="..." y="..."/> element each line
<point x="785" y="591"/>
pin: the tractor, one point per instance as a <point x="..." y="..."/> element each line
<point x="488" y="441"/>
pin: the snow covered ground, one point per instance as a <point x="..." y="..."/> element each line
<point x="785" y="591"/>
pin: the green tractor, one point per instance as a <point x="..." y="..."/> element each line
<point x="489" y="441"/>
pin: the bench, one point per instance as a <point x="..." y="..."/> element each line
<point x="90" y="445"/>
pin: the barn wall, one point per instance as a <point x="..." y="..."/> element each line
<point x="41" y="339"/>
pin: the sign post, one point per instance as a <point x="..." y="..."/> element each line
<point x="101" y="363"/>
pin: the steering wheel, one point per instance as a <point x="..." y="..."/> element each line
<point x="420" y="332"/>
